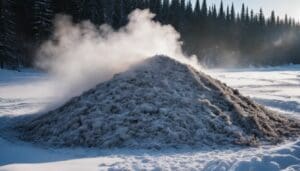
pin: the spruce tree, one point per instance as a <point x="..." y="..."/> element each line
<point x="8" y="38"/>
<point x="119" y="18"/>
<point x="165" y="12"/>
<point x="272" y="19"/>
<point x="243" y="13"/>
<point x="221" y="11"/>
<point x="214" y="12"/>
<point x="2" y="58"/>
<point x="247" y="17"/>
<point x="286" y="20"/>
<point x="158" y="8"/>
<point x="227" y="14"/>
<point x="232" y="13"/>
<point x="197" y="9"/>
<point x="189" y="9"/>
<point x="252" y="16"/>
<point x="261" y="17"/>
<point x="204" y="8"/>
<point x="43" y="15"/>
<point x="109" y="11"/>
<point x="92" y="10"/>
<point x="278" y="22"/>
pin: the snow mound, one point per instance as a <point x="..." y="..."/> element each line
<point x="159" y="103"/>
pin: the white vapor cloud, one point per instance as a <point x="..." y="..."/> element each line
<point x="79" y="56"/>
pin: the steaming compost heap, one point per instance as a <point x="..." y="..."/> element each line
<point x="159" y="103"/>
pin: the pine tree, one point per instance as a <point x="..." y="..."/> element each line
<point x="252" y="16"/>
<point x="278" y="22"/>
<point x="247" y="19"/>
<point x="158" y="7"/>
<point x="243" y="13"/>
<point x="119" y="18"/>
<point x="189" y="9"/>
<point x="227" y="14"/>
<point x="154" y="6"/>
<point x="69" y="7"/>
<point x="204" y="8"/>
<point x="221" y="12"/>
<point x="2" y="57"/>
<point x="165" y="12"/>
<point x="261" y="18"/>
<point x="175" y="13"/>
<point x="290" y="22"/>
<point x="43" y="14"/>
<point x="92" y="10"/>
<point x="141" y="4"/>
<point x="130" y="5"/>
<point x="272" y="19"/>
<point x="9" y="55"/>
<point x="109" y="11"/>
<point x="182" y="10"/>
<point x="214" y="12"/>
<point x="197" y="9"/>
<point x="286" y="20"/>
<point x="197" y="24"/>
<point x="293" y="22"/>
<point x="232" y="13"/>
<point x="182" y="6"/>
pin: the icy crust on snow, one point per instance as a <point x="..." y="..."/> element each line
<point x="159" y="103"/>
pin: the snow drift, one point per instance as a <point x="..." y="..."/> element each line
<point x="159" y="103"/>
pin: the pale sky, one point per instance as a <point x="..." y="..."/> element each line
<point x="281" y="7"/>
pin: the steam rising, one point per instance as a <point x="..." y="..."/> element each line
<point x="81" y="55"/>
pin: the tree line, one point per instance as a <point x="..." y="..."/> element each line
<point x="218" y="36"/>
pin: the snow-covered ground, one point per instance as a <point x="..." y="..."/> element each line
<point x="29" y="92"/>
<point x="275" y="87"/>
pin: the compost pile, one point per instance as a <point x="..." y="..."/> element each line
<point x="159" y="103"/>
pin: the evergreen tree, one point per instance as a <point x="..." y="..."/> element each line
<point x="247" y="19"/>
<point x="214" y="12"/>
<point x="261" y="18"/>
<point x="175" y="13"/>
<point x="155" y="6"/>
<point x="92" y="10"/>
<point x="204" y="8"/>
<point x="109" y="11"/>
<point x="286" y="20"/>
<point x="202" y="27"/>
<point x="119" y="17"/>
<point x="278" y="22"/>
<point x="141" y="4"/>
<point x="290" y="22"/>
<point x="165" y="11"/>
<point x="197" y="9"/>
<point x="221" y="11"/>
<point x="69" y="7"/>
<point x="272" y="19"/>
<point x="158" y="7"/>
<point x="182" y="6"/>
<point x="43" y="14"/>
<point x="243" y="13"/>
<point x="2" y="57"/>
<point x="232" y="13"/>
<point x="189" y="9"/>
<point x="252" y="16"/>
<point x="227" y="14"/>
<point x="9" y="55"/>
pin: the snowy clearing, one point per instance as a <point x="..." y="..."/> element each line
<point x="274" y="87"/>
<point x="277" y="87"/>
<point x="159" y="103"/>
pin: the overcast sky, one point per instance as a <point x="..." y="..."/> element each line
<point x="281" y="7"/>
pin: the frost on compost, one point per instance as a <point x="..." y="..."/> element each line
<point x="159" y="103"/>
